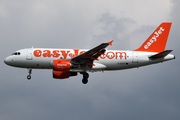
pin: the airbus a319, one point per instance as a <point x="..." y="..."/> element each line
<point x="66" y="63"/>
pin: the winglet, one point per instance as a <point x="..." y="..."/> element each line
<point x="110" y="43"/>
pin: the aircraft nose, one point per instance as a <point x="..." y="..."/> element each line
<point x="7" y="60"/>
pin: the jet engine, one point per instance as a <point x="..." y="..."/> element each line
<point x="63" y="74"/>
<point x="61" y="69"/>
<point x="61" y="65"/>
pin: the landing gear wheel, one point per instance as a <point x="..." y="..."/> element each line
<point x="84" y="80"/>
<point x="28" y="77"/>
<point x="29" y="71"/>
<point x="85" y="75"/>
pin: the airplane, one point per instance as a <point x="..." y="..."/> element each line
<point x="66" y="63"/>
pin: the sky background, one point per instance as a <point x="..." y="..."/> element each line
<point x="147" y="93"/>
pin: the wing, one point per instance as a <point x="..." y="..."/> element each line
<point x="87" y="58"/>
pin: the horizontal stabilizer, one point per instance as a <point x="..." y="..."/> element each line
<point x="160" y="55"/>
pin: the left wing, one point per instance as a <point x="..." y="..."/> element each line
<point x="89" y="56"/>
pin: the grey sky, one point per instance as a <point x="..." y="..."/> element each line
<point x="150" y="92"/>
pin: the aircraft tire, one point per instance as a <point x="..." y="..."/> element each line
<point x="84" y="80"/>
<point x="85" y="75"/>
<point x="28" y="77"/>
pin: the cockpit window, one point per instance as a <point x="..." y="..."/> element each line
<point x="16" y="53"/>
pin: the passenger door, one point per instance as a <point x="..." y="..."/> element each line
<point x="29" y="54"/>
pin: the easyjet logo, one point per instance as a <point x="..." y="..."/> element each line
<point x="154" y="37"/>
<point x="61" y="64"/>
<point x="63" y="54"/>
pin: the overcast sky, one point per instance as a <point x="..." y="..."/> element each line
<point x="146" y="93"/>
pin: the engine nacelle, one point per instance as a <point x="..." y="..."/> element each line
<point x="63" y="74"/>
<point x="61" y="65"/>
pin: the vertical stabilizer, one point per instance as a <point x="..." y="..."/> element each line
<point x="157" y="41"/>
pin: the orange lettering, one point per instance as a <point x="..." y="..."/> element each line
<point x="102" y="57"/>
<point x="75" y="53"/>
<point x="46" y="53"/>
<point x="64" y="53"/>
<point x="55" y="53"/>
<point x="37" y="53"/>
<point x="110" y="56"/>
<point x="121" y="54"/>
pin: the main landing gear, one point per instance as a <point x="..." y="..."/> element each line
<point x="85" y="78"/>
<point x="29" y="71"/>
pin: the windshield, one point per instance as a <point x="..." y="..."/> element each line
<point x="16" y="53"/>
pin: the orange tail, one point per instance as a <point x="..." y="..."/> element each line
<point x="157" y="41"/>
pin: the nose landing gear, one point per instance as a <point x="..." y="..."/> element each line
<point x="29" y="71"/>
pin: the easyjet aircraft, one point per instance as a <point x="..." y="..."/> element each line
<point x="69" y="62"/>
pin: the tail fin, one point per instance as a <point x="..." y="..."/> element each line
<point x="157" y="41"/>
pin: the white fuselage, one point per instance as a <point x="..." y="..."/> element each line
<point x="66" y="63"/>
<point x="41" y="58"/>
